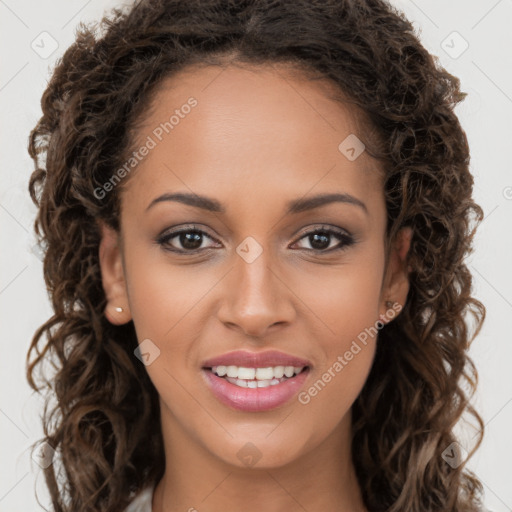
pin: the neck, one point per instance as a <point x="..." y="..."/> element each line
<point x="321" y="478"/>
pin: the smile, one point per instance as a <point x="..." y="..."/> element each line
<point x="255" y="381"/>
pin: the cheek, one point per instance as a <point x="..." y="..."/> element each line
<point x="344" y="299"/>
<point x="163" y="296"/>
<point x="347" y="303"/>
<point x="347" y="350"/>
<point x="163" y="303"/>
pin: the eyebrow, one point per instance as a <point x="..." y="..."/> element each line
<point x="294" y="206"/>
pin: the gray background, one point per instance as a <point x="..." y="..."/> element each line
<point x="30" y="29"/>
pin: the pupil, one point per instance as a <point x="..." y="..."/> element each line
<point x="314" y="241"/>
<point x="191" y="241"/>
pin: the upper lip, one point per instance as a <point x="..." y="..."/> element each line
<point x="256" y="359"/>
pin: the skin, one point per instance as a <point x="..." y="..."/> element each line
<point x="259" y="137"/>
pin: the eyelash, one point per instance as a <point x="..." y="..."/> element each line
<point x="348" y="239"/>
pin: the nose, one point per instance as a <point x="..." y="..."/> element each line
<point x="256" y="298"/>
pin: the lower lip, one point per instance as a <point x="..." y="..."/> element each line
<point x="254" y="399"/>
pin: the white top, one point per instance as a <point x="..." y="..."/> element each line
<point x="142" y="502"/>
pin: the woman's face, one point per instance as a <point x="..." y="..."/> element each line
<point x="248" y="150"/>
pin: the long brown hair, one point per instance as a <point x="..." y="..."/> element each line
<point x="104" y="423"/>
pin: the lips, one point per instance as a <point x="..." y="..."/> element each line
<point x="271" y="394"/>
<point x="256" y="359"/>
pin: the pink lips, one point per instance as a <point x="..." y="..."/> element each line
<point x="255" y="399"/>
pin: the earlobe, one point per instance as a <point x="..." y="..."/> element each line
<point x="112" y="276"/>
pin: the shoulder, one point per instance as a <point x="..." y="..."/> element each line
<point x="142" y="502"/>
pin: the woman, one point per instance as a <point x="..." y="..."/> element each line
<point x="255" y="215"/>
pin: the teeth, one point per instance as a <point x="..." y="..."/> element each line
<point x="288" y="371"/>
<point x="232" y="371"/>
<point x="270" y="373"/>
<point x="221" y="370"/>
<point x="248" y="373"/>
<point x="278" y="372"/>
<point x="263" y="373"/>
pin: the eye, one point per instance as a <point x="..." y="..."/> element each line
<point x="321" y="239"/>
<point x="190" y="238"/>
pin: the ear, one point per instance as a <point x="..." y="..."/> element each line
<point x="112" y="275"/>
<point x="396" y="280"/>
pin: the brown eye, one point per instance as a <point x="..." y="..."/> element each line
<point x="320" y="239"/>
<point x="188" y="239"/>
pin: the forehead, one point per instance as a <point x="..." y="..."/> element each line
<point x="264" y="130"/>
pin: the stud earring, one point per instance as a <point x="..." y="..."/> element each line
<point x="389" y="304"/>
<point x="119" y="309"/>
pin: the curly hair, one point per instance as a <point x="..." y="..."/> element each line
<point x="105" y="423"/>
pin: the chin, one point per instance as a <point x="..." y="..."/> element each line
<point x="261" y="453"/>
